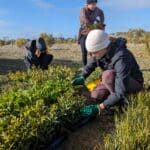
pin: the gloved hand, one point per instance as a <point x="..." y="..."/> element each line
<point x="90" y="110"/>
<point x="79" y="80"/>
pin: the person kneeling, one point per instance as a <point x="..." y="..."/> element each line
<point x="36" y="54"/>
<point x="121" y="73"/>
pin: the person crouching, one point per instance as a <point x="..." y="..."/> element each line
<point x="36" y="54"/>
<point x="121" y="73"/>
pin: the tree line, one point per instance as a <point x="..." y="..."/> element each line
<point x="135" y="36"/>
<point x="49" y="39"/>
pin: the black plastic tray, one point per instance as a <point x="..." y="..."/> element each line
<point x="80" y="123"/>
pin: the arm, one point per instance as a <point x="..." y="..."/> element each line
<point x="122" y="69"/>
<point x="83" y="18"/>
<point x="101" y="15"/>
<point x="87" y="71"/>
<point x="89" y="68"/>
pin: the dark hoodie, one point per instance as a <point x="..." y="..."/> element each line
<point x="31" y="59"/>
<point x="122" y="61"/>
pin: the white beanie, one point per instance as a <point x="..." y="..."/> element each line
<point x="97" y="40"/>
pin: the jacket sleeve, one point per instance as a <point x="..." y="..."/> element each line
<point x="101" y="15"/>
<point x="122" y="69"/>
<point x="83" y="18"/>
<point x="89" y="68"/>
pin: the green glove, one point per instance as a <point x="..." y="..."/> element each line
<point x="79" y="80"/>
<point x="90" y="110"/>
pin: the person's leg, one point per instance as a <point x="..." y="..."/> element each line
<point x="45" y="60"/>
<point x="84" y="50"/>
<point x="29" y="62"/>
<point x="100" y="93"/>
<point x="49" y="59"/>
<point x="134" y="86"/>
<point x="105" y="88"/>
<point x="108" y="79"/>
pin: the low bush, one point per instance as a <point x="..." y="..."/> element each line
<point x="32" y="109"/>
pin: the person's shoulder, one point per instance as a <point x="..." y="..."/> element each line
<point x="83" y="9"/>
<point x="99" y="10"/>
<point x="121" y="53"/>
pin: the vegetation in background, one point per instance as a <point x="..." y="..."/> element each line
<point x="20" y="42"/>
<point x="137" y="36"/>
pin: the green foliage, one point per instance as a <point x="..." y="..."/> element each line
<point x="135" y="35"/>
<point x="93" y="26"/>
<point x="133" y="128"/>
<point x="20" y="42"/>
<point x="2" y="43"/>
<point x="32" y="108"/>
<point x="94" y="76"/>
<point x="63" y="40"/>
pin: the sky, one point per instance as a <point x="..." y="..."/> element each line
<point x="28" y="18"/>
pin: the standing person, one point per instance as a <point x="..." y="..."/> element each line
<point x="121" y="73"/>
<point x="88" y="16"/>
<point x="36" y="54"/>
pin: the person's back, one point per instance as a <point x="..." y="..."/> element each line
<point x="121" y="52"/>
<point x="117" y="51"/>
<point x="135" y="70"/>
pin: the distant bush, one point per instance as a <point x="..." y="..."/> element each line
<point x="62" y="40"/>
<point x="2" y="43"/>
<point x="147" y="42"/>
<point x="20" y="42"/>
<point x="134" y="35"/>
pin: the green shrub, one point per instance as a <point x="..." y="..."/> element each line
<point x="31" y="114"/>
<point x="20" y="42"/>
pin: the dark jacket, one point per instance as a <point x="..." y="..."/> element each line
<point x="31" y="59"/>
<point x="32" y="45"/>
<point x="122" y="61"/>
<point x="30" y="49"/>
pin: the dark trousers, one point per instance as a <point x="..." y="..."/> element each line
<point x="42" y="62"/>
<point x="83" y="49"/>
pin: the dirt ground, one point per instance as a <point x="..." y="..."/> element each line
<point x="11" y="60"/>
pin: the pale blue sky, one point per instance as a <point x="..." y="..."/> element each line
<point x="28" y="18"/>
